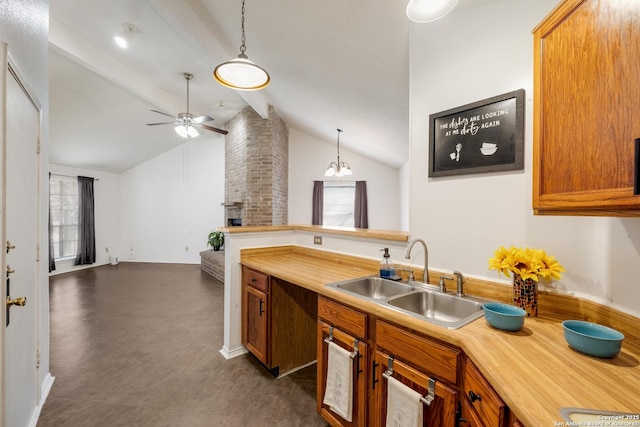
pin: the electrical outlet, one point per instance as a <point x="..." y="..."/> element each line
<point x="317" y="240"/>
<point x="106" y="249"/>
<point x="186" y="248"/>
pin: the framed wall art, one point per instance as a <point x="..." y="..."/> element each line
<point x="484" y="136"/>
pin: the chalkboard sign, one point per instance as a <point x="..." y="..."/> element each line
<point x="485" y="136"/>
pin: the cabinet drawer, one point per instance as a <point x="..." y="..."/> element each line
<point x="485" y="400"/>
<point x="256" y="280"/>
<point x="347" y="319"/>
<point x="430" y="356"/>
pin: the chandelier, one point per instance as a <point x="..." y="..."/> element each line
<point x="339" y="168"/>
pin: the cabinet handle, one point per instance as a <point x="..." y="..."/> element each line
<point x="358" y="370"/>
<point x="374" y="380"/>
<point x="473" y="397"/>
<point x="261" y="309"/>
<point x="636" y="180"/>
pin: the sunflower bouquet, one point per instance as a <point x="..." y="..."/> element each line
<point x="528" y="263"/>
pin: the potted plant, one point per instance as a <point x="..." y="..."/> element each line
<point x="216" y="240"/>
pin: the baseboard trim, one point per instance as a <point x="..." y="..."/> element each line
<point x="44" y="393"/>
<point x="230" y="354"/>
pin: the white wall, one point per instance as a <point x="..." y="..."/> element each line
<point x="107" y="214"/>
<point x="309" y="158"/>
<point x="24" y="28"/>
<point x="171" y="203"/>
<point x="474" y="54"/>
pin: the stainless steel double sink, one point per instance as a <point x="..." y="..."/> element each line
<point x="417" y="299"/>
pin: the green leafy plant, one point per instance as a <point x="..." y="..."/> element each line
<point x="216" y="240"/>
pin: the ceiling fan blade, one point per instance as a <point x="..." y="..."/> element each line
<point x="212" y="129"/>
<point x="202" y="119"/>
<point x="161" y="123"/>
<point x="163" y="113"/>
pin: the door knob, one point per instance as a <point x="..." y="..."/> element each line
<point x="10" y="270"/>
<point x="10" y="246"/>
<point x="18" y="301"/>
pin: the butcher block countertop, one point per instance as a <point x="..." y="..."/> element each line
<point x="533" y="370"/>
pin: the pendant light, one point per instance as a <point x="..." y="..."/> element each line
<point x="240" y="73"/>
<point x="429" y="10"/>
<point x="338" y="168"/>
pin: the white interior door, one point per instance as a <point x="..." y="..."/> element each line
<point x="21" y="188"/>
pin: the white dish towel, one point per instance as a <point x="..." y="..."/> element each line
<point x="404" y="408"/>
<point x="338" y="393"/>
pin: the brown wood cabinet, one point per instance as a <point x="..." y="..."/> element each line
<point x="411" y="354"/>
<point x="440" y="412"/>
<point x="416" y="360"/>
<point x="586" y="109"/>
<point x="480" y="402"/>
<point x="255" y="330"/>
<point x="359" y="387"/>
<point x="345" y="326"/>
<point x="278" y="322"/>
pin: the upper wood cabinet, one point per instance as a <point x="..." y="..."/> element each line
<point x="587" y="109"/>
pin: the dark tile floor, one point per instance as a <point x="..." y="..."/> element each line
<point x="137" y="344"/>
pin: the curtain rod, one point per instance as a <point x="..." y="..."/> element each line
<point x="71" y="176"/>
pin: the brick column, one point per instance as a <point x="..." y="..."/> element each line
<point x="257" y="168"/>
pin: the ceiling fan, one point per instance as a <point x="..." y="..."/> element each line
<point x="186" y="123"/>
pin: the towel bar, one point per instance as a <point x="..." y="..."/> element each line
<point x="330" y="337"/>
<point x="354" y="353"/>
<point x="432" y="384"/>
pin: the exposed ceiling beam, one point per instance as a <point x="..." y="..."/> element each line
<point x="193" y="21"/>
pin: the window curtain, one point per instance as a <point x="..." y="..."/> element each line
<point x="360" y="213"/>
<point x="86" y="253"/>
<point x="318" y="202"/>
<point x="52" y="260"/>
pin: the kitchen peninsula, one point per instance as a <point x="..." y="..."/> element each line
<point x="533" y="371"/>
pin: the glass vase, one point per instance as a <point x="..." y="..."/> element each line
<point x="525" y="295"/>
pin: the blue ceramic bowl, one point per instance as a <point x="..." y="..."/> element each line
<point x="592" y="339"/>
<point x="504" y="316"/>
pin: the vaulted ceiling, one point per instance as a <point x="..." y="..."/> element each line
<point x="333" y="64"/>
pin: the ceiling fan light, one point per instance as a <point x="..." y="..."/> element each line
<point x="192" y="132"/>
<point x="422" y="11"/>
<point x="241" y="74"/>
<point x="186" y="131"/>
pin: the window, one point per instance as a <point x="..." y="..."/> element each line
<point x="63" y="202"/>
<point x="339" y="201"/>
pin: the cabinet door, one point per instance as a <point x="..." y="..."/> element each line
<point x="346" y="341"/>
<point x="441" y="412"/>
<point x="257" y="323"/>
<point x="480" y="396"/>
<point x="469" y="417"/>
<point x="586" y="109"/>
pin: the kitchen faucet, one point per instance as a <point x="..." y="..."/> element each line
<point x="460" y="282"/>
<point x="407" y="255"/>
